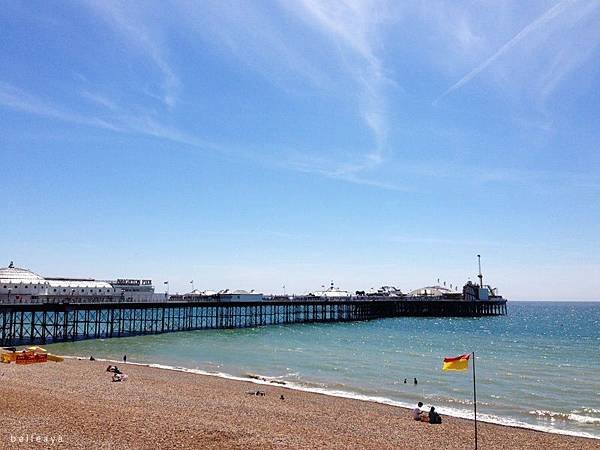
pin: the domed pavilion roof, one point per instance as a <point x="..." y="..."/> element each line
<point x="17" y="274"/>
<point x="431" y="291"/>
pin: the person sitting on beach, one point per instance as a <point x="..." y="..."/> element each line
<point x="422" y="415"/>
<point x="116" y="377"/>
<point x="113" y="369"/>
<point x="434" y="417"/>
<point x="416" y="413"/>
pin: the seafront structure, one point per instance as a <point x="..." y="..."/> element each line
<point x="99" y="309"/>
<point x="19" y="285"/>
<point x="331" y="292"/>
<point x="52" y="322"/>
<point x="226" y="295"/>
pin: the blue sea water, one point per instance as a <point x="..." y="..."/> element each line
<point x="537" y="367"/>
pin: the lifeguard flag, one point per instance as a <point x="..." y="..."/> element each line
<point x="457" y="363"/>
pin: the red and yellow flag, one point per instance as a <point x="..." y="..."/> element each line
<point x="457" y="363"/>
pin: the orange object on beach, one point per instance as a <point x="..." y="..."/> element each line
<point x="31" y="355"/>
<point x="7" y="358"/>
<point x="31" y="358"/>
<point x="36" y="349"/>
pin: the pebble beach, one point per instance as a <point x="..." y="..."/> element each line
<point x="74" y="404"/>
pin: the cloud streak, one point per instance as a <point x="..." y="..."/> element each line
<point x="354" y="27"/>
<point x="333" y="49"/>
<point x="252" y="35"/>
<point x="16" y="99"/>
<point x="124" y="20"/>
<point x="345" y="32"/>
<point x="542" y="20"/>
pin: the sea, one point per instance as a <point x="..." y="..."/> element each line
<point x="538" y="367"/>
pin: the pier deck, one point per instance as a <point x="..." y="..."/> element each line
<point x="23" y="324"/>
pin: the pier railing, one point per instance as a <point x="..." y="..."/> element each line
<point x="56" y="322"/>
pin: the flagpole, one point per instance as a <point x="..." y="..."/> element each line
<point x="474" y="400"/>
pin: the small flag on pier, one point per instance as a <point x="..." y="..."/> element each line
<point x="457" y="363"/>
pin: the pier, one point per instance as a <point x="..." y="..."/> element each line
<point x="42" y="323"/>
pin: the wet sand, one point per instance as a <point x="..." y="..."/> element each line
<point x="75" y="405"/>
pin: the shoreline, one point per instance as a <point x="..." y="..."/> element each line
<point x="175" y="407"/>
<point x="481" y="418"/>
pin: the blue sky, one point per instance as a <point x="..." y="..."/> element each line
<point x="261" y="144"/>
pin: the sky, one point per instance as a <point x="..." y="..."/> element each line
<point x="257" y="145"/>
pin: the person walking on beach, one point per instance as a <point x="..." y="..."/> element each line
<point x="124" y="358"/>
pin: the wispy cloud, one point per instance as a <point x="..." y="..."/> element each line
<point x="345" y="32"/>
<point x="549" y="48"/>
<point x="119" y="120"/>
<point x="125" y="19"/>
<point x="17" y="99"/>
<point x="340" y="49"/>
<point x="550" y="14"/>
<point x="310" y="163"/>
<point x="149" y="126"/>
<point x="354" y="27"/>
<point x="99" y="99"/>
<point x="252" y="33"/>
<point x="571" y="53"/>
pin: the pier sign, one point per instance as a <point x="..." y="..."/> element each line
<point x="124" y="282"/>
<point x="130" y="282"/>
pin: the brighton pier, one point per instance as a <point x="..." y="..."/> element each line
<point x="83" y="312"/>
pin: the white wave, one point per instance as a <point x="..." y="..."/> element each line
<point x="584" y="419"/>
<point x="553" y="415"/>
<point x="461" y="414"/>
<point x="549" y="414"/>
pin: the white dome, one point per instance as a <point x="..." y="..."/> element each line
<point x="431" y="291"/>
<point x="13" y="274"/>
